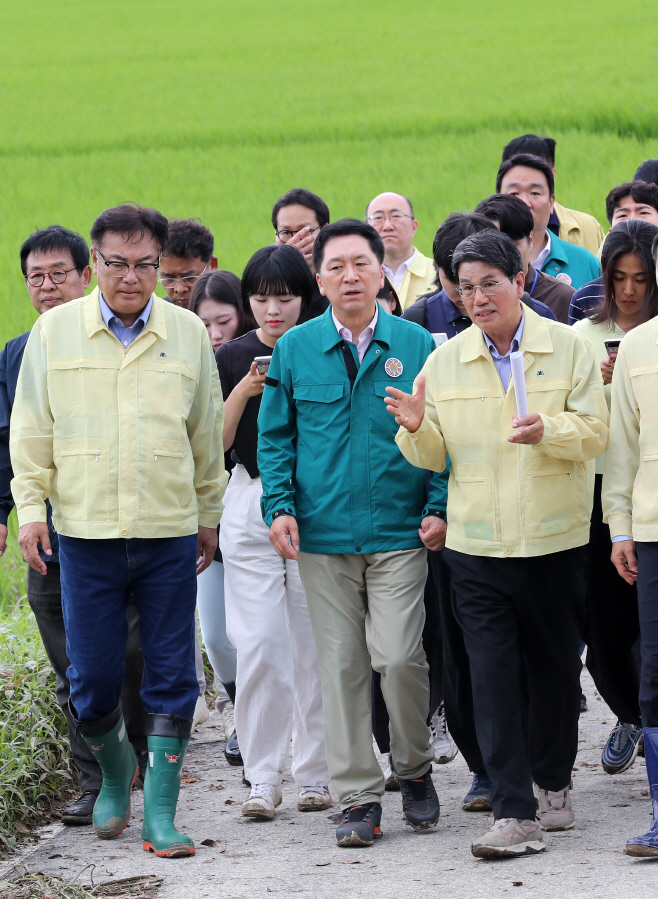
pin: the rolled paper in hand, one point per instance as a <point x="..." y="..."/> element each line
<point x="518" y="374"/>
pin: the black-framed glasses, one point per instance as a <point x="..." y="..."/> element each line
<point x="286" y="235"/>
<point x="488" y="288"/>
<point x="143" y="270"/>
<point x="169" y="281"/>
<point x="36" y="279"/>
<point x="394" y="217"/>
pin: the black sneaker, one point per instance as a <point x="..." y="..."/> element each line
<point x="81" y="811"/>
<point x="478" y="798"/>
<point x="420" y="804"/>
<point x="360" y="825"/>
<point x="232" y="752"/>
<point x="583" y="703"/>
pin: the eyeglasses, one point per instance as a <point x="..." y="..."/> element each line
<point x="188" y="281"/>
<point x="285" y="236"/>
<point x="36" y="279"/>
<point x="379" y="217"/>
<point x="488" y="288"/>
<point x="120" y="269"/>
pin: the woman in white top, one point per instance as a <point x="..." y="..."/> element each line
<point x="630" y="298"/>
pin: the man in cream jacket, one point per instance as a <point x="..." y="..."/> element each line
<point x="519" y="502"/>
<point x="118" y="421"/>
<point x="630" y="507"/>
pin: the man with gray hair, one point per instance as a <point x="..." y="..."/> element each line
<point x="518" y="519"/>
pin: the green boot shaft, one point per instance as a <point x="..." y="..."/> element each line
<point x="118" y="763"/>
<point x="161" y="788"/>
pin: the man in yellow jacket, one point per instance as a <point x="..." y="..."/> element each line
<point x="629" y="498"/>
<point x="519" y="502"/>
<point x="118" y="421"/>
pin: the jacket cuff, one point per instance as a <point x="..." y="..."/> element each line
<point x="209" y="520"/>
<point x="620" y="525"/>
<point x="30" y="514"/>
<point x="549" y="431"/>
<point x="287" y="508"/>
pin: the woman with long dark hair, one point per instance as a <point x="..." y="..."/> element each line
<point x="278" y="682"/>
<point x="630" y="299"/>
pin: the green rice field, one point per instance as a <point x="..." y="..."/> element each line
<point x="214" y="109"/>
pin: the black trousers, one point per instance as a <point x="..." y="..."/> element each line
<point x="45" y="598"/>
<point x="613" y="624"/>
<point x="522" y="621"/>
<point x="433" y="646"/>
<point x="647" y="594"/>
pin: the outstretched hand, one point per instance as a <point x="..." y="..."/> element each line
<point x="408" y="408"/>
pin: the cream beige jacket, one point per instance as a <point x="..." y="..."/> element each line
<point x="630" y="477"/>
<point x="124" y="443"/>
<point x="419" y="278"/>
<point x="505" y="499"/>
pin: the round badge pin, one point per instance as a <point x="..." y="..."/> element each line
<point x="564" y="277"/>
<point x="393" y="367"/>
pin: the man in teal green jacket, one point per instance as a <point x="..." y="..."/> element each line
<point x="358" y="518"/>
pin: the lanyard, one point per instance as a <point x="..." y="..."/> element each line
<point x="534" y="282"/>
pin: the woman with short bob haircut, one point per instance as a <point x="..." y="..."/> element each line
<point x="630" y="298"/>
<point x="217" y="300"/>
<point x="278" y="682"/>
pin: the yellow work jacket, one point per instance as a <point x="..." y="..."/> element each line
<point x="630" y="477"/>
<point x="579" y="228"/>
<point x="505" y="499"/>
<point x="419" y="278"/>
<point x="124" y="443"/>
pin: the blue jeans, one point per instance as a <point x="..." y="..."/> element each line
<point x="97" y="578"/>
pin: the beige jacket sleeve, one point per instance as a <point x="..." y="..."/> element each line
<point x="623" y="456"/>
<point x="580" y="433"/>
<point x="426" y="448"/>
<point x="31" y="433"/>
<point x="204" y="430"/>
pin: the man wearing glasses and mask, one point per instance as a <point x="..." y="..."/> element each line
<point x="118" y="421"/>
<point x="187" y="255"/>
<point x="410" y="273"/>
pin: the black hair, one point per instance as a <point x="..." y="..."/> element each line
<point x="345" y="228"/>
<point x="189" y="239"/>
<point x="532" y="144"/>
<point x="276" y="271"/>
<point x="530" y="162"/>
<point x="647" y="171"/>
<point x="450" y="234"/>
<point x="640" y="191"/>
<point x="492" y="247"/>
<point x="56" y="237"/>
<point x="406" y="200"/>
<point x="511" y="213"/>
<point x="133" y="221"/>
<point x="630" y="236"/>
<point x="389" y="293"/>
<point x="302" y="197"/>
<point x="222" y="287"/>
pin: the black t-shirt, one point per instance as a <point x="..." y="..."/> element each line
<point x="234" y="360"/>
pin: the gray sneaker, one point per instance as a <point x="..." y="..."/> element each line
<point x="510" y="837"/>
<point x="555" y="811"/>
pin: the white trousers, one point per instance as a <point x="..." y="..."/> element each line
<point x="278" y="689"/>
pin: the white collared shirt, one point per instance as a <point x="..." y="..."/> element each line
<point x="543" y="256"/>
<point x="365" y="337"/>
<point x="397" y="278"/>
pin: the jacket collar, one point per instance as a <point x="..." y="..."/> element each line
<point x="94" y="318"/>
<point x="419" y="264"/>
<point x="331" y="337"/>
<point x="566" y="218"/>
<point x="557" y="251"/>
<point x="536" y="338"/>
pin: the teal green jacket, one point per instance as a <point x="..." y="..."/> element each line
<point x="327" y="454"/>
<point x="573" y="265"/>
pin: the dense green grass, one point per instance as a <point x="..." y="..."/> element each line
<point x="214" y="109"/>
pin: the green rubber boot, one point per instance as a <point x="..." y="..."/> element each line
<point x="118" y="763"/>
<point x="161" y="788"/>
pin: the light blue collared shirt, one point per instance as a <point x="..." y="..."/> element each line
<point x="504" y="363"/>
<point x="124" y="335"/>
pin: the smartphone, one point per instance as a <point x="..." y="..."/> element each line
<point x="262" y="364"/>
<point x="611" y="346"/>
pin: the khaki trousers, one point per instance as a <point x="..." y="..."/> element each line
<point x="368" y="610"/>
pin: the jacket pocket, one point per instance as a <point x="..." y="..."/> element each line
<point x="550" y="492"/>
<point x="474" y="501"/>
<point x="82" y="478"/>
<point x="318" y="393"/>
<point x="169" y="485"/>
